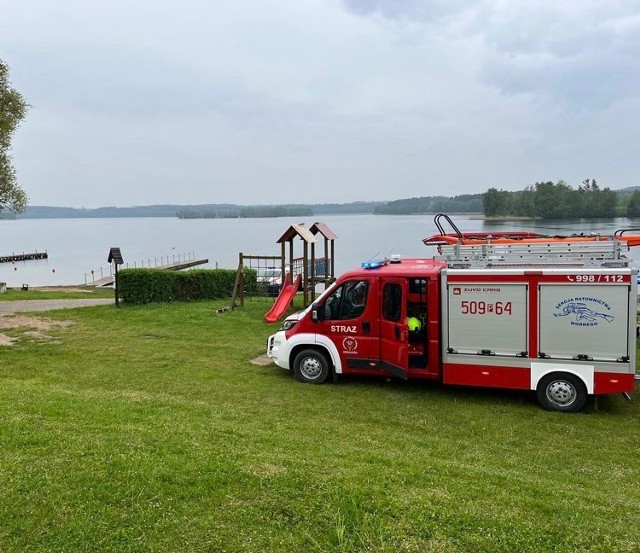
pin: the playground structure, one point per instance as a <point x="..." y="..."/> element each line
<point x="296" y="273"/>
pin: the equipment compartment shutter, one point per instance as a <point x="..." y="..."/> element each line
<point x="586" y="320"/>
<point x="487" y="317"/>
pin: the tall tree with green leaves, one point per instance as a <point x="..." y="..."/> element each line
<point x="13" y="108"/>
<point x="495" y="202"/>
<point x="633" y="207"/>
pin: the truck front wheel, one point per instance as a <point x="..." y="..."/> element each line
<point x="562" y="392"/>
<point x="311" y="367"/>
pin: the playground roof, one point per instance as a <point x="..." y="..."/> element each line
<point x="324" y="230"/>
<point x="297" y="230"/>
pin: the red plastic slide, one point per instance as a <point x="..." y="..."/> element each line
<point x="284" y="299"/>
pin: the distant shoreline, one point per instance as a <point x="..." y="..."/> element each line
<point x="505" y="218"/>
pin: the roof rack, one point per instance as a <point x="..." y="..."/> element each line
<point x="573" y="254"/>
<point x="518" y="249"/>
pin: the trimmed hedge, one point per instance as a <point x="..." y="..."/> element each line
<point x="160" y="285"/>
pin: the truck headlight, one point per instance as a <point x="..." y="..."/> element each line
<point x="288" y="324"/>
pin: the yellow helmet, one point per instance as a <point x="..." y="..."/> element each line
<point x="414" y="323"/>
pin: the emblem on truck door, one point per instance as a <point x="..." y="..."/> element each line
<point x="350" y="344"/>
<point x="584" y="315"/>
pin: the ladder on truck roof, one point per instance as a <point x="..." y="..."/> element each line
<point x="606" y="253"/>
<point x="517" y="249"/>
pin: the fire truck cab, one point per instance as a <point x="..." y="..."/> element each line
<point x="562" y="332"/>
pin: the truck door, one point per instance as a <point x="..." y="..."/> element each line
<point x="347" y="321"/>
<point x="394" y="334"/>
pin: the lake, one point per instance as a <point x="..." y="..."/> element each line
<point x="76" y="247"/>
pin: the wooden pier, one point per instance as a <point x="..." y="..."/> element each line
<point x="23" y="257"/>
<point x="175" y="266"/>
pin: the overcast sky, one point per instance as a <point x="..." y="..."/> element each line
<point x="281" y="101"/>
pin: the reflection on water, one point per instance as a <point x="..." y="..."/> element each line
<point x="78" y="246"/>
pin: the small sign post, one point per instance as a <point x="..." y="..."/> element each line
<point x="115" y="257"/>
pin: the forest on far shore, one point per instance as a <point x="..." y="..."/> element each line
<point x="548" y="200"/>
<point x="542" y="200"/>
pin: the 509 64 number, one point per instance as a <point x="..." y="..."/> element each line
<point x="484" y="308"/>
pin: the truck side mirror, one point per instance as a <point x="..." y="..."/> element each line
<point x="317" y="312"/>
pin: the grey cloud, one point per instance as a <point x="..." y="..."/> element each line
<point x="576" y="84"/>
<point x="578" y="63"/>
<point x="319" y="100"/>
<point x="140" y="87"/>
<point x="577" y="56"/>
<point x="419" y="10"/>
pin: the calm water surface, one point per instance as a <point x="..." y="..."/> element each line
<point x="76" y="247"/>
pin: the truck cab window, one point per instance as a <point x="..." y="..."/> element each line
<point x="392" y="302"/>
<point x="347" y="301"/>
<point x="418" y="286"/>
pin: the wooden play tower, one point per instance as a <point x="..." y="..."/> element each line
<point x="314" y="270"/>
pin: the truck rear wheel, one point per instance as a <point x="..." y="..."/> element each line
<point x="311" y="367"/>
<point x="562" y="392"/>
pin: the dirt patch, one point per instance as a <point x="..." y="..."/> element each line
<point x="25" y="306"/>
<point x="37" y="335"/>
<point x="6" y="340"/>
<point x="66" y="289"/>
<point x="35" y="328"/>
<point x="262" y="360"/>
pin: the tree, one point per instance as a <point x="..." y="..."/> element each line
<point x="13" y="108"/>
<point x="594" y="201"/>
<point x="556" y="201"/>
<point x="495" y="202"/>
<point x="608" y="203"/>
<point x="527" y="202"/>
<point x="633" y="207"/>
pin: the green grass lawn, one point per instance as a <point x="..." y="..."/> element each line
<point x="149" y="429"/>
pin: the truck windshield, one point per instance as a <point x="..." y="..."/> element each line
<point x="347" y="301"/>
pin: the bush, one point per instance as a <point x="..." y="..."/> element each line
<point x="158" y="285"/>
<point x="145" y="285"/>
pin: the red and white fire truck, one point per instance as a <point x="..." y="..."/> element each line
<point x="554" y="316"/>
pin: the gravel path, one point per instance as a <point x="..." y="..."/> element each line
<point x="22" y="306"/>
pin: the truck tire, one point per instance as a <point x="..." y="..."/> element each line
<point x="562" y="392"/>
<point x="311" y="367"/>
